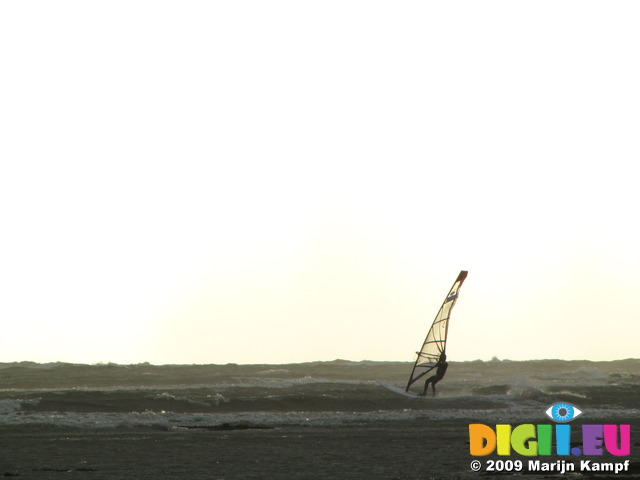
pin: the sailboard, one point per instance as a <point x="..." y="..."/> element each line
<point x="435" y="343"/>
<point x="398" y="390"/>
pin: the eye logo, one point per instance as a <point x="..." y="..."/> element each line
<point x="563" y="412"/>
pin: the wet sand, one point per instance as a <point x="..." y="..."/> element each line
<point x="424" y="450"/>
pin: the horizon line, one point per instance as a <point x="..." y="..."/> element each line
<point x="336" y="360"/>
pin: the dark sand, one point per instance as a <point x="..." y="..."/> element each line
<point x="386" y="450"/>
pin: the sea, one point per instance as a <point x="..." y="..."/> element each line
<point x="339" y="392"/>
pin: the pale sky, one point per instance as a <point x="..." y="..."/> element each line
<point x="283" y="181"/>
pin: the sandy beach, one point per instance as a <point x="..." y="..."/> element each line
<point x="391" y="450"/>
<point x="417" y="450"/>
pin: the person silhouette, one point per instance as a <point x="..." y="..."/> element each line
<point x="440" y="371"/>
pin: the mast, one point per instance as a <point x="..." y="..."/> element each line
<point x="436" y="341"/>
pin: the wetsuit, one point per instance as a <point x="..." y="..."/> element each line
<point x="441" y="370"/>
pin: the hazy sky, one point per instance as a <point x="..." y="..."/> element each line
<point x="280" y="181"/>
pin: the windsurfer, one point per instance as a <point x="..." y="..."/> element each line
<point x="441" y="369"/>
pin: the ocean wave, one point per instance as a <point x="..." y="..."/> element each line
<point x="185" y="396"/>
<point x="274" y="371"/>
<point x="11" y="405"/>
<point x="243" y="420"/>
<point x="209" y="399"/>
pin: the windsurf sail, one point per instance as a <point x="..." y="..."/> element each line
<point x="436" y="342"/>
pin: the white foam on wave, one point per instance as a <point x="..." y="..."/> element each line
<point x="12" y="405"/>
<point x="171" y="420"/>
<point x="277" y="382"/>
<point x="215" y="399"/>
